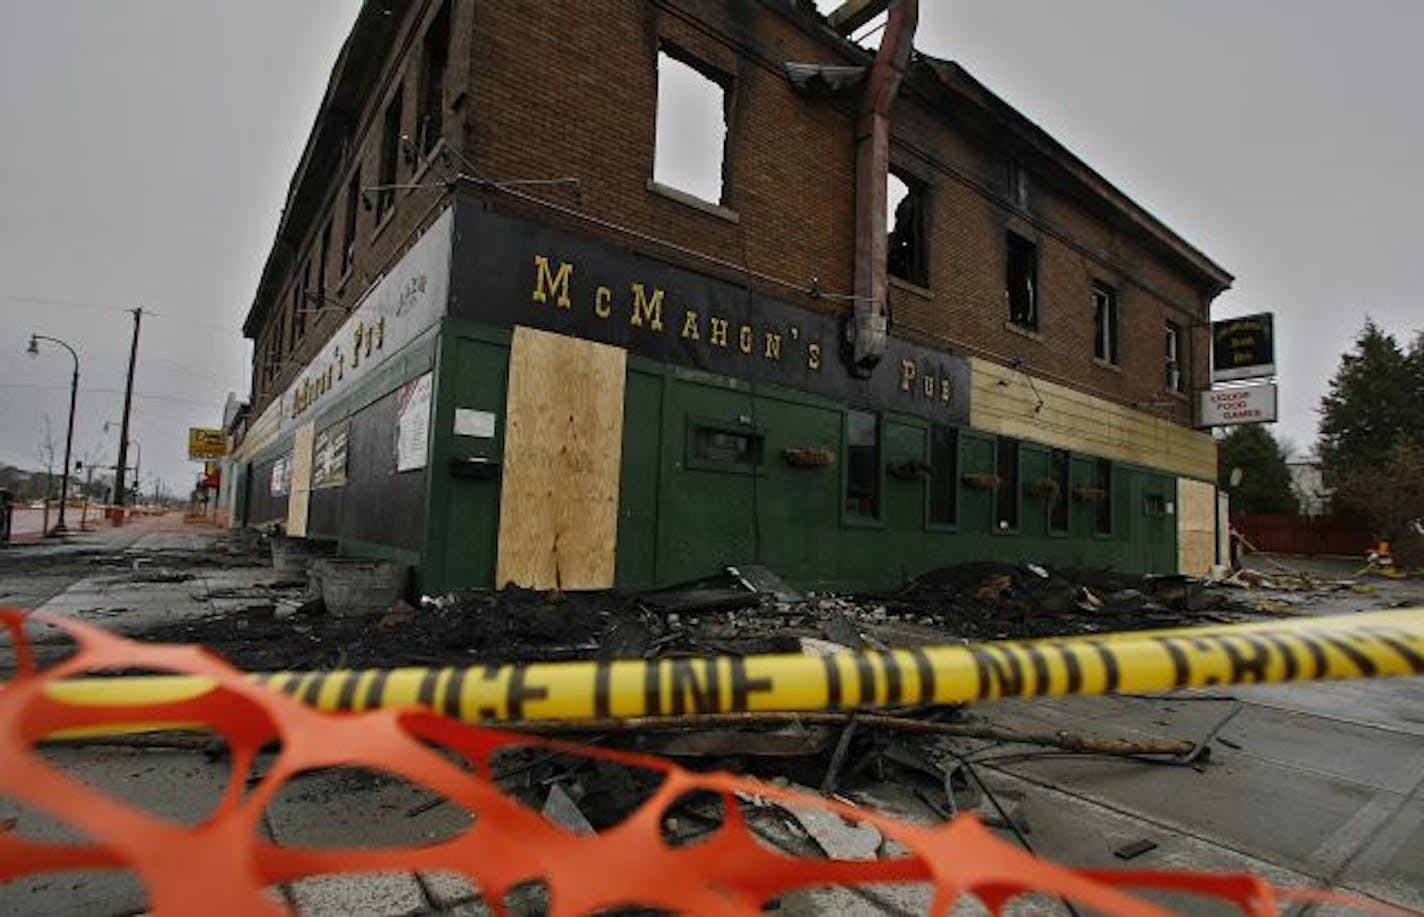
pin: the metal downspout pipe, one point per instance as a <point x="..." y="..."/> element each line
<point x="872" y="167"/>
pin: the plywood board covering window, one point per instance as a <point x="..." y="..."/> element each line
<point x="558" y="516"/>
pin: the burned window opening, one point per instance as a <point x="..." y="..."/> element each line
<point x="906" y="255"/>
<point x="1105" y="323"/>
<point x="689" y="148"/>
<point x="1006" y="497"/>
<point x="862" y="494"/>
<point x="435" y="60"/>
<point x="1172" y="352"/>
<point x="348" y="234"/>
<point x="944" y="476"/>
<point x="1022" y="282"/>
<point x="390" y="157"/>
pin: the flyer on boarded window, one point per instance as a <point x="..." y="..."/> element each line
<point x="413" y="424"/>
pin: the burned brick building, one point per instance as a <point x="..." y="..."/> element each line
<point x="890" y="326"/>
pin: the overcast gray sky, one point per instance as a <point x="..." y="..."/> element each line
<point x="148" y="145"/>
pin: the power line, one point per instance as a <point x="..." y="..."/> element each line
<point x="109" y="391"/>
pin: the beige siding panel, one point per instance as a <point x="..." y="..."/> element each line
<point x="299" y="499"/>
<point x="1004" y="402"/>
<point x="1196" y="527"/>
<point x="558" y="514"/>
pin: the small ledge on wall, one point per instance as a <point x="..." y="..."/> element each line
<point x="696" y="203"/>
<point x="901" y="283"/>
<point x="1021" y="331"/>
<point x="1104" y="364"/>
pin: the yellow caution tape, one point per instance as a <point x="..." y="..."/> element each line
<point x="1352" y="646"/>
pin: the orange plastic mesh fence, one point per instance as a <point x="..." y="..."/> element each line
<point x="223" y="865"/>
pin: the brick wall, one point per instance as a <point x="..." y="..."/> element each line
<point x="559" y="88"/>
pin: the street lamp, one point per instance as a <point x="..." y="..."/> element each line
<point x="33" y="350"/>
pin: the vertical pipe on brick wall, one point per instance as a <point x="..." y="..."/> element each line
<point x="872" y="167"/>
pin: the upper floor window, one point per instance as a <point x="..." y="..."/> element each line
<point x="390" y="157"/>
<point x="1172" y="351"/>
<point x="1022" y="282"/>
<point x="435" y="60"/>
<point x="323" y="264"/>
<point x="689" y="149"/>
<point x="906" y="254"/>
<point x="1105" y="323"/>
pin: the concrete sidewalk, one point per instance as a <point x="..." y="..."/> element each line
<point x="1308" y="785"/>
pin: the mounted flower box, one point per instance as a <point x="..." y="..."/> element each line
<point x="1045" y="489"/>
<point x="808" y="456"/>
<point x="981" y="480"/>
<point x="909" y="470"/>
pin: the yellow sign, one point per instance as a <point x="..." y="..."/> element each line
<point x="1351" y="646"/>
<point x="205" y="444"/>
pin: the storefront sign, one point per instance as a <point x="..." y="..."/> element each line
<point x="408" y="300"/>
<point x="514" y="273"/>
<point x="205" y="443"/>
<point x="413" y="424"/>
<point x="1224" y="407"/>
<point x="1243" y="348"/>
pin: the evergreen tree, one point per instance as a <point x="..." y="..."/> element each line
<point x="1375" y="398"/>
<point x="1372" y="432"/>
<point x="1265" y="480"/>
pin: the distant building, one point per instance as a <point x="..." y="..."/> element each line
<point x="1309" y="488"/>
<point x="500" y="339"/>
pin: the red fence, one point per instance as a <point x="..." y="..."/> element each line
<point x="1280" y="533"/>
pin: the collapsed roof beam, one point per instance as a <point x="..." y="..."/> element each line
<point x="853" y="14"/>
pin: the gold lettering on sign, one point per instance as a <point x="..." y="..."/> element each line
<point x="929" y="387"/>
<point x="358" y="335"/>
<point x="602" y="306"/>
<point x="718" y="337"/>
<point x="689" y="327"/>
<point x="946" y="389"/>
<point x="813" y="356"/>
<point x="907" y="374"/>
<point x="647" y="310"/>
<point x="745" y="339"/>
<point x="553" y="284"/>
<point x="773" y="345"/>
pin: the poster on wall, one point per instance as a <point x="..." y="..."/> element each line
<point x="413" y="424"/>
<point x="329" y="456"/>
<point x="281" y="483"/>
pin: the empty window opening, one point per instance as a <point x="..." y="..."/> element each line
<point x="905" y="223"/>
<point x="1105" y="323"/>
<point x="348" y="234"/>
<point x="690" y="146"/>
<point x="435" y="60"/>
<point x="1022" y="282"/>
<point x="1172" y="351"/>
<point x="727" y="447"/>
<point x="299" y="304"/>
<point x="863" y="464"/>
<point x="1103" y="483"/>
<point x="944" y="476"/>
<point x="390" y="157"/>
<point x="1006" y="498"/>
<point x="1058" y="464"/>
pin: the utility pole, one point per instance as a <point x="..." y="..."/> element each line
<point x="119" y="492"/>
